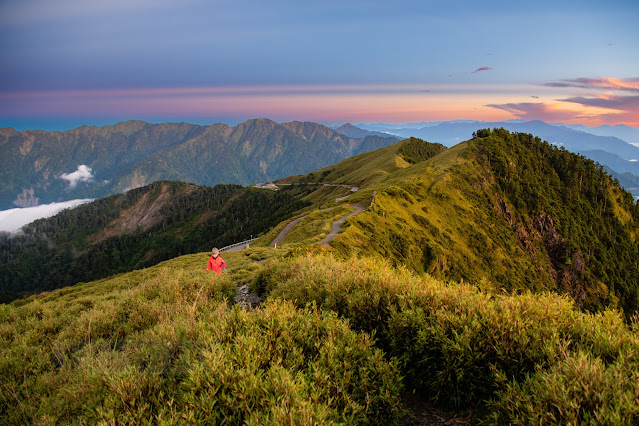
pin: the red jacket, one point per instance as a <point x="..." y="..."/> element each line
<point x="216" y="263"/>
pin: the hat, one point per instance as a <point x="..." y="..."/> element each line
<point x="215" y="251"/>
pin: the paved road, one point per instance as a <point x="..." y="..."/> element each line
<point x="337" y="225"/>
<point x="240" y="247"/>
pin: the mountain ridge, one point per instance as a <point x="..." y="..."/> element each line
<point x="456" y="216"/>
<point x="135" y="153"/>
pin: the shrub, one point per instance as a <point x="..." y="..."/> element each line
<point x="461" y="346"/>
<point x="164" y="346"/>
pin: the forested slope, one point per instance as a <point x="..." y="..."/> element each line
<point x="137" y="229"/>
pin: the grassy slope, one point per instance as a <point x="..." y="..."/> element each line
<point x="447" y="216"/>
<point x="363" y="169"/>
<point x="164" y="345"/>
<point x="430" y="215"/>
<point x="517" y="359"/>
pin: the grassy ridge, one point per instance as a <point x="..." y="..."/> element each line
<point x="520" y="359"/>
<point x="164" y="346"/>
<point x="505" y="211"/>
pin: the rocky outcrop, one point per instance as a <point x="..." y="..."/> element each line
<point x="549" y="250"/>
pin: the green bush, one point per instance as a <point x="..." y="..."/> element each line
<point x="578" y="390"/>
<point x="415" y="150"/>
<point x="164" y="346"/>
<point x="462" y="347"/>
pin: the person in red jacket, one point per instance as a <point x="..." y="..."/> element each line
<point x="216" y="263"/>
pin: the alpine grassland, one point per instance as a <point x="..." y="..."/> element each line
<point x="166" y="345"/>
<point x="514" y="359"/>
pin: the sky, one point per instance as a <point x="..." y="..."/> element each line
<point x="66" y="63"/>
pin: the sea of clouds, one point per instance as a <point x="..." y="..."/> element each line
<point x="13" y="219"/>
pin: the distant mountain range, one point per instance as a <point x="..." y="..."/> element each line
<point x="451" y="133"/>
<point x="355" y="132"/>
<point x="38" y="167"/>
<point x="621" y="131"/>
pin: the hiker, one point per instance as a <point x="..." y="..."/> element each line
<point x="216" y="262"/>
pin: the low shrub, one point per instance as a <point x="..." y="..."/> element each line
<point x="167" y="347"/>
<point x="462" y="347"/>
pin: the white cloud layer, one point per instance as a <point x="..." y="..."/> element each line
<point x="13" y="219"/>
<point x="83" y="174"/>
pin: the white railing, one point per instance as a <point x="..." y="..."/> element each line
<point x="238" y="244"/>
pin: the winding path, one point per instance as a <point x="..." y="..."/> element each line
<point x="284" y="232"/>
<point x="337" y="225"/>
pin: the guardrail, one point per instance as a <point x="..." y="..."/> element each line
<point x="247" y="242"/>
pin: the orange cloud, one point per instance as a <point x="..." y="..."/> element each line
<point x="595" y="111"/>
<point x="540" y="111"/>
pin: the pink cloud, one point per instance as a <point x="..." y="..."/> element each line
<point x="628" y="84"/>
<point x="624" y="110"/>
<point x="622" y="103"/>
<point x="538" y="111"/>
<point x="482" y="69"/>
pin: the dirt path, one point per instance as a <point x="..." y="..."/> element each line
<point x="337" y="225"/>
<point x="284" y="232"/>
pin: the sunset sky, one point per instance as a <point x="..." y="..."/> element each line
<point x="65" y="63"/>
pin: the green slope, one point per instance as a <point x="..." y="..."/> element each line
<point x="503" y="211"/>
<point x="165" y="345"/>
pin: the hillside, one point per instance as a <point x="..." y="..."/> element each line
<point x="355" y="132"/>
<point x="504" y="211"/>
<point x="42" y="167"/>
<point x="136" y="229"/>
<point x="166" y="345"/>
<point x="598" y="144"/>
